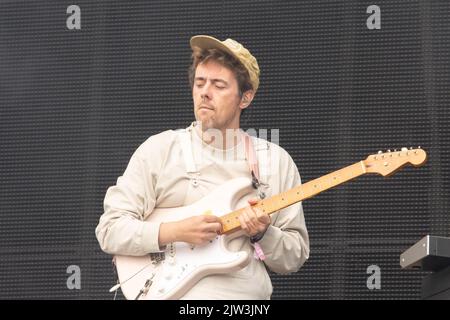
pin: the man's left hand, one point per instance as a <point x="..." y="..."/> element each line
<point x="253" y="220"/>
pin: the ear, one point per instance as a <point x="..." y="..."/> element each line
<point x="247" y="98"/>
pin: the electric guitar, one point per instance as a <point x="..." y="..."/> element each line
<point x="171" y="273"/>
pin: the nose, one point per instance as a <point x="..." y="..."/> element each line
<point x="205" y="92"/>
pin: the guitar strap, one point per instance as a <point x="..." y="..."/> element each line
<point x="252" y="161"/>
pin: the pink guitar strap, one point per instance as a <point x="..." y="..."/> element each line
<point x="252" y="160"/>
<point x="250" y="155"/>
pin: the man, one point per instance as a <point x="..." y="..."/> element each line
<point x="224" y="77"/>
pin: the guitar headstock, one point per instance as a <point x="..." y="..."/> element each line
<point x="387" y="163"/>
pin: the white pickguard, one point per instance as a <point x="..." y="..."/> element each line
<point x="184" y="265"/>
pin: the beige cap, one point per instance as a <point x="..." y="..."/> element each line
<point x="235" y="49"/>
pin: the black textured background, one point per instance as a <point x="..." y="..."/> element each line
<point x="75" y="104"/>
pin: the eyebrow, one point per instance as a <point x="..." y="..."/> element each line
<point x="212" y="80"/>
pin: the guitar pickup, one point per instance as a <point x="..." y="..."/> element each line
<point x="157" y="257"/>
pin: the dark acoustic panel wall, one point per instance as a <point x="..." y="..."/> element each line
<point x="75" y="104"/>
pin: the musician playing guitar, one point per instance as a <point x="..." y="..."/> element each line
<point x="179" y="168"/>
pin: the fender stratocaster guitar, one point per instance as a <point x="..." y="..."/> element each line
<point x="171" y="273"/>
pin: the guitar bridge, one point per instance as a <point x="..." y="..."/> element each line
<point x="146" y="287"/>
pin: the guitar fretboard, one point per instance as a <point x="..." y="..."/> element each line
<point x="230" y="221"/>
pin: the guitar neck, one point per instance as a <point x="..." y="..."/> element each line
<point x="230" y="221"/>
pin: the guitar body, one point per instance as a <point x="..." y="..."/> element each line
<point x="182" y="265"/>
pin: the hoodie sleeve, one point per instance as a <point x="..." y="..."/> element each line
<point x="122" y="228"/>
<point x="286" y="241"/>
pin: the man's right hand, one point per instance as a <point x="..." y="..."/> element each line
<point x="195" y="230"/>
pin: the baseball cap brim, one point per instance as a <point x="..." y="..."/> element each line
<point x="208" y="42"/>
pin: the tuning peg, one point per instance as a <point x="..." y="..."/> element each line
<point x="395" y="150"/>
<point x="410" y="148"/>
<point x="404" y="149"/>
<point x="418" y="147"/>
<point x="389" y="150"/>
<point x="380" y="152"/>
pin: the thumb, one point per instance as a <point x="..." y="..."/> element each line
<point x="253" y="200"/>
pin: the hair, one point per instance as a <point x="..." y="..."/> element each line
<point x="241" y="73"/>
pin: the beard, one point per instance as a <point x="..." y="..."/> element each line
<point x="206" y="118"/>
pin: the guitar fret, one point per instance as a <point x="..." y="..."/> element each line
<point x="280" y="201"/>
<point x="231" y="221"/>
